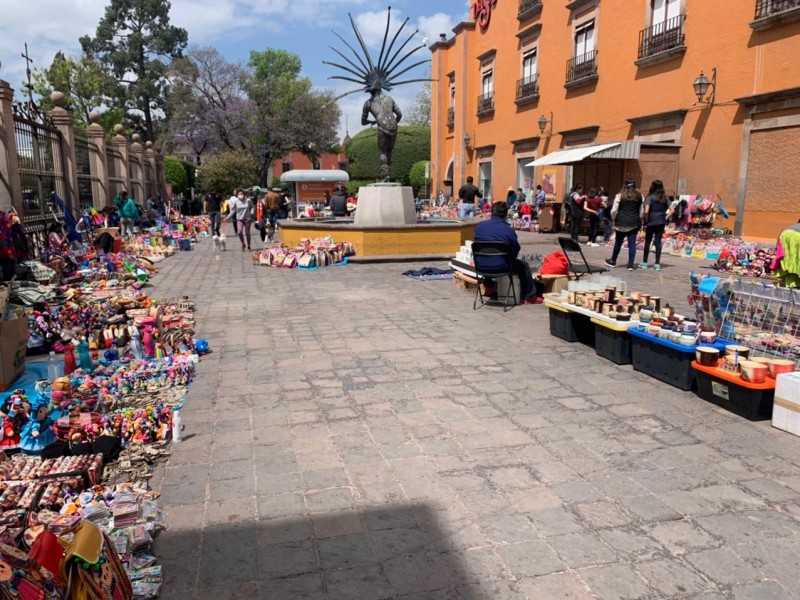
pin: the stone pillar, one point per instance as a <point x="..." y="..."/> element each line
<point x="62" y="119"/>
<point x="120" y="143"/>
<point x="10" y="182"/>
<point x="161" y="189"/>
<point x="98" y="161"/>
<point x="150" y="160"/>
<point x="137" y="153"/>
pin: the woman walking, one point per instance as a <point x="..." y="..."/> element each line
<point x="656" y="214"/>
<point x="241" y="209"/>
<point x="627" y="219"/>
<point x="594" y="206"/>
<point x="576" y="209"/>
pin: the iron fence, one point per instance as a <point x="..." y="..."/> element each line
<point x="41" y="168"/>
<point x="86" y="181"/>
<point x="486" y="103"/>
<point x="582" y="66"/>
<point x="765" y="8"/>
<point x="528" y="87"/>
<point x="528" y="7"/>
<point x="662" y="36"/>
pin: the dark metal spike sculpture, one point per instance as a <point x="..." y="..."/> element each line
<point x="343" y="68"/>
<point x="350" y="62"/>
<point x="383" y="65"/>
<point x="390" y="63"/>
<point x="412" y="81"/>
<point x="416" y="64"/>
<point x="361" y="41"/>
<point x="353" y="50"/>
<point x="343" y="78"/>
<point x="385" y="35"/>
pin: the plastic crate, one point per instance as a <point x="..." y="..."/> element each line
<point x="561" y="325"/>
<point x="612" y="344"/>
<point x="748" y="400"/>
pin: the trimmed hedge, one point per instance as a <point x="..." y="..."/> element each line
<point x="175" y="173"/>
<point x="413" y="145"/>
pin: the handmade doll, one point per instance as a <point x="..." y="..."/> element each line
<point x="137" y="350"/>
<point x="14" y="418"/>
<point x="85" y="359"/>
<point x="38" y="431"/>
<point x="149" y="341"/>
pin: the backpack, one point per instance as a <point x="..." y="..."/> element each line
<point x="567" y="200"/>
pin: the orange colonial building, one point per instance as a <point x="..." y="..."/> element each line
<point x="600" y="90"/>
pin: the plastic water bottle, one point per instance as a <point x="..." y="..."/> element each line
<point x="176" y="426"/>
<point x="54" y="368"/>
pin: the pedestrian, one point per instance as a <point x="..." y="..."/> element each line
<point x="539" y="201"/>
<point x="626" y="215"/>
<point x="338" y="203"/>
<point x="186" y="207"/>
<point x="593" y="206"/>
<point x="197" y="207"/>
<point x="567" y="201"/>
<point x="128" y="215"/>
<point x="511" y="199"/>
<point x="466" y="196"/>
<point x="214" y="210"/>
<point x="272" y="203"/>
<point x="576" y="211"/>
<point x="284" y="203"/>
<point x="656" y="214"/>
<point x="521" y="198"/>
<point x="241" y="209"/>
<point x="232" y="200"/>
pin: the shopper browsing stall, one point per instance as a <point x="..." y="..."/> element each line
<point x="626" y="216"/>
<point x="656" y="214"/>
<point x="594" y="205"/>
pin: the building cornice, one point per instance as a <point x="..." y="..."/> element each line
<point x="768" y="97"/>
<point x="485" y="149"/>
<point x="526" y="141"/>
<point x="593" y="129"/>
<point x="664" y="116"/>
<point x="464" y="26"/>
<point x="487" y="55"/>
<point x="578" y="4"/>
<point x="442" y="44"/>
<point x="532" y="31"/>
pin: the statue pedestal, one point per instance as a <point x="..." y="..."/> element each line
<point x="385" y="204"/>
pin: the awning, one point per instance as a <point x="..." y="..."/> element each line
<point x="312" y="175"/>
<point x="575" y="155"/>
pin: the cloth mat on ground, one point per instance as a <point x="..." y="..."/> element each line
<point x="430" y="273"/>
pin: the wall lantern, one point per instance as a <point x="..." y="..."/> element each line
<point x="467" y="141"/>
<point x="702" y="85"/>
<point x="543" y="122"/>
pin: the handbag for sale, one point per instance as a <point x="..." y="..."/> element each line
<point x="290" y="261"/>
<point x="307" y="260"/>
<point x="91" y="567"/>
<point x="22" y="577"/>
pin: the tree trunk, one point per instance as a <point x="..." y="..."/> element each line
<point x="148" y="120"/>
<point x="263" y="172"/>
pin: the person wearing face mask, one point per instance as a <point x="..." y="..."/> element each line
<point x="241" y="209"/>
<point x="231" y="216"/>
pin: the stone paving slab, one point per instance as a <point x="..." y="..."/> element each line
<point x="358" y="434"/>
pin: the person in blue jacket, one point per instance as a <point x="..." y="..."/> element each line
<point x="497" y="229"/>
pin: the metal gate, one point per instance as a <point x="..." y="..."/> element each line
<point x="87" y="183"/>
<point x="41" y="171"/>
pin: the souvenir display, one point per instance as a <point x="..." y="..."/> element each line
<point x="308" y="254"/>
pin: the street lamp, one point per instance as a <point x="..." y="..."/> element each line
<point x="702" y="84"/>
<point x="543" y="122"/>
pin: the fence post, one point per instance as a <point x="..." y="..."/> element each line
<point x="135" y="154"/>
<point x="151" y="184"/>
<point x="62" y="119"/>
<point x="10" y="182"/>
<point x="98" y="161"/>
<point x="120" y="143"/>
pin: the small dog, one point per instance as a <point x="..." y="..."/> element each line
<point x="215" y="239"/>
<point x="270" y="231"/>
<point x="221" y="240"/>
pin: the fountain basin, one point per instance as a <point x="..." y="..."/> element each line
<point x="435" y="238"/>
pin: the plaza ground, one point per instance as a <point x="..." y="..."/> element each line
<point x="356" y="434"/>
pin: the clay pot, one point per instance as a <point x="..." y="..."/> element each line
<point x="743" y="351"/>
<point x="708" y="357"/>
<point x="778" y="366"/>
<point x="687" y="339"/>
<point x="753" y="372"/>
<point x="708" y="337"/>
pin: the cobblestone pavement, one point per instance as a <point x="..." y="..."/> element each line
<point x="360" y="435"/>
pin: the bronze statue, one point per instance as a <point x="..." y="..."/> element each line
<point x="375" y="77"/>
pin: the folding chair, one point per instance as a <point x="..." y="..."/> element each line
<point x="579" y="268"/>
<point x="482" y="250"/>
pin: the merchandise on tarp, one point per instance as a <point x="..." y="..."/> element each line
<point x="308" y="254"/>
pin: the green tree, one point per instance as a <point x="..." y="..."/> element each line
<point x="420" y="111"/>
<point x="416" y="176"/>
<point x="82" y="81"/>
<point x="288" y="113"/>
<point x="227" y="171"/>
<point x="175" y="173"/>
<point x="413" y="145"/>
<point x="132" y="42"/>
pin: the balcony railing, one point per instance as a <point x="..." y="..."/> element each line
<point x="486" y="104"/>
<point x="767" y="8"/>
<point x="528" y="8"/>
<point x="527" y="88"/>
<point x="662" y="37"/>
<point x="582" y="67"/>
<point x="451" y="117"/>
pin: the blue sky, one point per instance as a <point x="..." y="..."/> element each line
<point x="234" y="27"/>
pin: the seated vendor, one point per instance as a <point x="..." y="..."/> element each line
<point x="497" y="229"/>
<point x="56" y="240"/>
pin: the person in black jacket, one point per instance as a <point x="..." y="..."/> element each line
<point x="339" y="203"/>
<point x="467" y="194"/>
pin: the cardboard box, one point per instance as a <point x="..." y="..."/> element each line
<point x="114" y="233"/>
<point x="786" y="406"/>
<point x="13" y="346"/>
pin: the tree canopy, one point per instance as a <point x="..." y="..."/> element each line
<point x="228" y="170"/>
<point x="175" y="173"/>
<point x="83" y="83"/>
<point x="413" y="144"/>
<point x="134" y="42"/>
<point x="420" y="111"/>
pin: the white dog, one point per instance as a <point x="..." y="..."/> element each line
<point x="221" y="241"/>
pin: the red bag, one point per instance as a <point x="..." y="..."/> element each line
<point x="555" y="264"/>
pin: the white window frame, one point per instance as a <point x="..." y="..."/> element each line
<point x="487" y="75"/>
<point x="661" y="11"/>
<point x="528" y="73"/>
<point x="581" y="31"/>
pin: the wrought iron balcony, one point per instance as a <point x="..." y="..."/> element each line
<point x="767" y="8"/>
<point x="451" y="117"/>
<point x="527" y="89"/>
<point x="662" y="37"/>
<point x="582" y="69"/>
<point x="528" y="8"/>
<point x="486" y="104"/>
